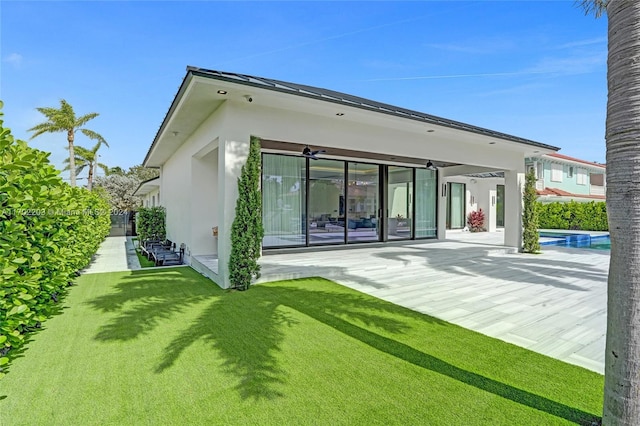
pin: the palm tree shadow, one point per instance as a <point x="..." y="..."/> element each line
<point x="246" y="330"/>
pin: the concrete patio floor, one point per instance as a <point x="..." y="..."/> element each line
<point x="114" y="255"/>
<point x="553" y="303"/>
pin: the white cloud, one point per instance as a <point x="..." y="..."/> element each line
<point x="14" y="59"/>
<point x="582" y="43"/>
<point x="477" y="46"/>
<point x="571" y="65"/>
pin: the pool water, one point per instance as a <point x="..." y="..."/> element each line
<point x="601" y="242"/>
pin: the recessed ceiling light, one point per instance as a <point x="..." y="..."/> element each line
<point x="340" y="114"/>
<point x="222" y="92"/>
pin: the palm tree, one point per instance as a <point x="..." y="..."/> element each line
<point x="64" y="119"/>
<point x="622" y="357"/>
<point x="87" y="158"/>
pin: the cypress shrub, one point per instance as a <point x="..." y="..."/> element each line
<point x="48" y="232"/>
<point x="530" y="237"/>
<point x="247" y="230"/>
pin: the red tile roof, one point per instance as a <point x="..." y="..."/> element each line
<point x="577" y="160"/>
<point x="560" y="193"/>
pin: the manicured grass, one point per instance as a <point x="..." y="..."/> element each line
<point x="144" y="262"/>
<point x="168" y="347"/>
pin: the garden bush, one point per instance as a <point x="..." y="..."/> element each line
<point x="591" y="216"/>
<point x="475" y="221"/>
<point x="150" y="223"/>
<point x="48" y="232"/>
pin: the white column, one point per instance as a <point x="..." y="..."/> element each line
<point x="514" y="188"/>
<point x="442" y="207"/>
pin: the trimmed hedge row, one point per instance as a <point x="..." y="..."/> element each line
<point x="150" y="223"/>
<point x="591" y="216"/>
<point x="48" y="232"/>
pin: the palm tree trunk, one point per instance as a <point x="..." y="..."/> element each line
<point x="622" y="359"/>
<point x="72" y="158"/>
<point x="90" y="177"/>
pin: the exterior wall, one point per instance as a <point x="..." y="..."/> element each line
<point x="204" y="209"/>
<point x="190" y="180"/>
<point x="151" y="199"/>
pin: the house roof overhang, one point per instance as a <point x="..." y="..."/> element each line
<point x="203" y="91"/>
<point x="147" y="186"/>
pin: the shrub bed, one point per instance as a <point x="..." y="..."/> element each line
<point x="48" y="232"/>
<point x="591" y="216"/>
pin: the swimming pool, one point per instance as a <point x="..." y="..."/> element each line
<point x="596" y="242"/>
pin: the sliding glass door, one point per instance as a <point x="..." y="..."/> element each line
<point x="309" y="202"/>
<point x="500" y="206"/>
<point x="426" y="191"/>
<point x="456" y="206"/>
<point x="399" y="202"/>
<point x="363" y="193"/>
<point x="283" y="200"/>
<point x="326" y="202"/>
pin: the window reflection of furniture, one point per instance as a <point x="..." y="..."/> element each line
<point x="319" y="223"/>
<point x="360" y="223"/>
<point x="397" y="226"/>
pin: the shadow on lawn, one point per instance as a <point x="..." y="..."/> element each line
<point x="246" y="329"/>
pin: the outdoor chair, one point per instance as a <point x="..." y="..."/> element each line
<point x="169" y="257"/>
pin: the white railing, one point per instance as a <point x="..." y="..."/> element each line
<point x="597" y="190"/>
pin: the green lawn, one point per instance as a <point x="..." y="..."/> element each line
<point x="144" y="262"/>
<point x="165" y="347"/>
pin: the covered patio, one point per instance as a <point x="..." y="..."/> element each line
<point x="553" y="303"/>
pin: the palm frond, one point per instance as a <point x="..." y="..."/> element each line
<point x="47" y="127"/>
<point x="595" y="7"/>
<point x="104" y="168"/>
<point x="81" y="121"/>
<point x="95" y="136"/>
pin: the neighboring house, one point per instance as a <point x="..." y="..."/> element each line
<point x="563" y="178"/>
<point x="385" y="173"/>
<point x="149" y="192"/>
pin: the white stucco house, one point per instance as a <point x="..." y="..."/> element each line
<point x="383" y="173"/>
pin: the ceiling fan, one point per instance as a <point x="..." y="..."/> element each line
<point x="307" y="152"/>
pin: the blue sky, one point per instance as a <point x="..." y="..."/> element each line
<point x="534" y="69"/>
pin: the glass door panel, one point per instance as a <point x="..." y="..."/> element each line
<point x="426" y="189"/>
<point x="326" y="202"/>
<point x="283" y="200"/>
<point x="363" y="193"/>
<point x="500" y="205"/>
<point x="456" y="210"/>
<point x="399" y="202"/>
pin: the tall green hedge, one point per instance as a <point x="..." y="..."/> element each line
<point x="150" y="223"/>
<point x="591" y="216"/>
<point x="48" y="232"/>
